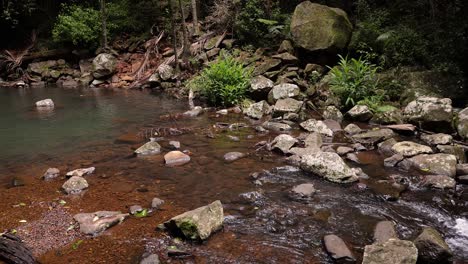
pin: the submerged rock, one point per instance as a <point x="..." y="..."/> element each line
<point x="95" y="223"/>
<point x="196" y="111"/>
<point x="319" y="27"/>
<point x="176" y="158"/>
<point x="384" y="230"/>
<point x="303" y="191"/>
<point x="198" y="224"/>
<point x="233" y="156"/>
<point x="328" y="165"/>
<point x="409" y="149"/>
<point x="393" y="251"/>
<point x="81" y="172"/>
<point x="338" y="250"/>
<point x="283" y="143"/>
<point x="75" y="185"/>
<point x="46" y="103"/>
<point x="318" y="126"/>
<point x="51" y="173"/>
<point x="150" y="148"/>
<point x="156" y="203"/>
<point x="432" y="248"/>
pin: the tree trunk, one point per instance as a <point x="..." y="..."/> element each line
<point x="104" y="24"/>
<point x="174" y="35"/>
<point x="195" y="17"/>
<point x="186" y="51"/>
<point x="12" y="250"/>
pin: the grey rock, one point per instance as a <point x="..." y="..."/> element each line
<point x="360" y="113"/>
<point x="75" y="185"/>
<point x="267" y="65"/>
<point x="166" y="72"/>
<point x="151" y="259"/>
<point x="437" y="139"/>
<point x="81" y="172"/>
<point x="176" y="158"/>
<point x="374" y="136"/>
<point x="462" y="169"/>
<point x="333" y="125"/>
<point x="352" y="129"/>
<point x="313" y="140"/>
<point x="196" y="111"/>
<point x="456" y="150"/>
<point x="333" y="113"/>
<point x="104" y="65"/>
<point x="258" y="110"/>
<point x="134" y="209"/>
<point x="429" y="109"/>
<point x="276" y="126"/>
<point x="432" y="247"/>
<point x="338" y="250"/>
<point x="391" y="116"/>
<point x="329" y="166"/>
<point x="462" y="123"/>
<point x="283" y="91"/>
<point x="439" y="182"/>
<point x="386" y="146"/>
<point x="286" y="46"/>
<point x="353" y="157"/>
<point x="149" y="148"/>
<point x="287" y="105"/>
<point x="46" y="103"/>
<point x="283" y="143"/>
<point x="200" y="223"/>
<point x="409" y="149"/>
<point x="299" y="152"/>
<point x="384" y="230"/>
<point x="438" y="164"/>
<point x="318" y="126"/>
<point x="95" y="223"/>
<point x="344" y="150"/>
<point x="156" y="203"/>
<point x="233" y="156"/>
<point x="286" y="57"/>
<point x="261" y="84"/>
<point x="174" y="144"/>
<point x="51" y="173"/>
<point x="393" y="251"/>
<point x="303" y="191"/>
<point x="393" y="160"/>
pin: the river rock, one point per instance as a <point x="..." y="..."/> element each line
<point x="134" y="209"/>
<point x="46" y="103"/>
<point x="267" y="65"/>
<point x="303" y="191"/>
<point x="156" y="203"/>
<point x="386" y="147"/>
<point x="258" y="110"/>
<point x="463" y="179"/>
<point x="393" y="251"/>
<point x="462" y="123"/>
<point x="352" y="129"/>
<point x="233" y="156"/>
<point x="166" y="72"/>
<point x="384" y="230"/>
<point x="151" y="259"/>
<point x="283" y="91"/>
<point x="287" y="105"/>
<point x="374" y="136"/>
<point x="150" y="148"/>
<point x="387" y="117"/>
<point x="261" y="85"/>
<point x="299" y="152"/>
<point x="338" y="250"/>
<point x="176" y="158"/>
<point x="333" y="125"/>
<point x="393" y="160"/>
<point x="196" y="111"/>
<point x="81" y="172"/>
<point x="286" y="46"/>
<point x="437" y="139"/>
<point x="456" y="150"/>
<point x="410" y="149"/>
<point x="283" y="143"/>
<point x="287" y="58"/>
<point x="198" y="224"/>
<point x="75" y="185"/>
<point x="432" y="247"/>
<point x="51" y="173"/>
<point x="318" y="126"/>
<point x="439" y="182"/>
<point x="462" y="169"/>
<point x="276" y="126"/>
<point x="104" y="65"/>
<point x="328" y="165"/>
<point x="360" y="113"/>
<point x="319" y="27"/>
<point x="439" y="164"/>
<point x="95" y="223"/>
<point x="174" y="144"/>
<point x="313" y="140"/>
<point x="344" y="150"/>
<point x="429" y="109"/>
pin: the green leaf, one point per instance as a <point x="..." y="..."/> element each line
<point x="142" y="213"/>
<point x="76" y="244"/>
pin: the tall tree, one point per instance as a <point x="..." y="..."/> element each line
<point x="174" y="35"/>
<point x="186" y="43"/>
<point x="195" y="17"/>
<point x="104" y="24"/>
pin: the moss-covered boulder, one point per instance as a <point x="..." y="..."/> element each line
<point x="318" y="27"/>
<point x="198" y="224"/>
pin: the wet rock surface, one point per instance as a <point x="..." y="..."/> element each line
<point x="384" y="230"/>
<point x="75" y="185"/>
<point x="95" y="223"/>
<point x="338" y="250"/>
<point x="329" y="166"/>
<point x="150" y="148"/>
<point x="432" y="247"/>
<point x="176" y="158"/>
<point x="393" y="251"/>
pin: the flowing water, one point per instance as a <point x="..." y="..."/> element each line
<point x="262" y="223"/>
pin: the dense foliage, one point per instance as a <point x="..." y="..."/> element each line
<point x="224" y="82"/>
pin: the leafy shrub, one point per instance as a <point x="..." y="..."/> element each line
<point x="354" y="80"/>
<point x="224" y="82"/>
<point x="78" y="25"/>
